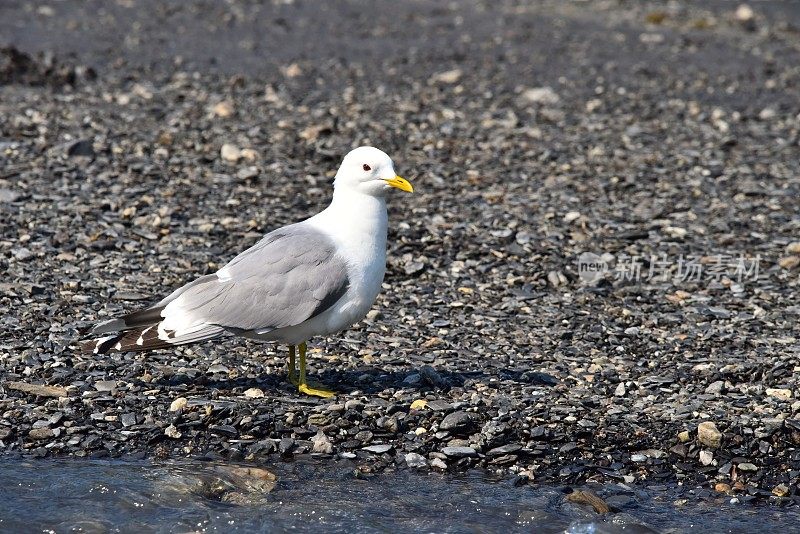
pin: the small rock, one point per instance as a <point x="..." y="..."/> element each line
<point x="505" y="449"/>
<point x="430" y="376"/>
<point x="706" y="457"/>
<point x="81" y="147"/>
<point x="8" y="195"/>
<point x="254" y="393"/>
<point x="793" y="248"/>
<point x="23" y="254"/>
<point x="292" y="71"/>
<point x="722" y="487"/>
<point x="619" y="391"/>
<point x="746" y="466"/>
<point x="412" y="380"/>
<point x="450" y="76"/>
<point x="223" y="109"/>
<point x="127" y="419"/>
<point x="591" y="498"/>
<point x="459" y="452"/>
<point x="438" y="463"/>
<point x="789" y="262"/>
<point x="415" y="460"/>
<point x="378" y="449"/>
<point x="249" y="154"/>
<point x="286" y="445"/>
<point x="218" y="368"/>
<point x="708" y="435"/>
<point x="780" y="393"/>
<point x="541" y="95"/>
<point x="247" y="173"/>
<point x="41" y="433"/>
<point x="353" y="404"/>
<point x="767" y="114"/>
<point x="230" y="153"/>
<point x="178" y="404"/>
<point x="172" y="432"/>
<point x="37" y="389"/>
<point x="684" y="436"/>
<point x="105" y="385"/>
<point x="419" y="404"/>
<point x="457" y="422"/>
<point x="321" y="443"/>
<point x="781" y="490"/>
<point x="744" y="13"/>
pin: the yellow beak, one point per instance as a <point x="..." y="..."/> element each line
<point x="400" y="183"/>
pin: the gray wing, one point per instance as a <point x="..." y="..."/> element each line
<point x="290" y="276"/>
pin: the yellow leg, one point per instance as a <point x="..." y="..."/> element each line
<point x="303" y="387"/>
<point x="292" y="367"/>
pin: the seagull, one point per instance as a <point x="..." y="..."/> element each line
<point x="307" y="279"/>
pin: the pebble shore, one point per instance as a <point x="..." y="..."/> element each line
<point x="651" y="132"/>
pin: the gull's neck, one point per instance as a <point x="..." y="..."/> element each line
<point x="354" y="217"/>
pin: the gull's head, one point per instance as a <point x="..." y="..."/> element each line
<point x="370" y="171"/>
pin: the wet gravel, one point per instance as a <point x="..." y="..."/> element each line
<point x="139" y="151"/>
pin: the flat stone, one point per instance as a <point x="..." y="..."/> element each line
<point x="504" y="449"/>
<point x="37" y="389"/>
<point x="459" y="452"/>
<point x="378" y="449"/>
<point x="105" y="385"/>
<point x="41" y="433"/>
<point x="780" y="393"/>
<point x="254" y="393"/>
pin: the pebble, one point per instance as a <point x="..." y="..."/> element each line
<point x="457" y="422"/>
<point x="706" y="457"/>
<point x="230" y="153"/>
<point x="438" y="463"/>
<point x="459" y="452"/>
<point x="172" y="432"/>
<point x="320" y="443"/>
<point x="378" y="449"/>
<point x="541" y="95"/>
<point x="105" y="385"/>
<point x="41" y="433"/>
<point x="415" y="460"/>
<point x="708" y="435"/>
<point x="780" y="393"/>
<point x="178" y="404"/>
<point x="254" y="393"/>
<point x="781" y="490"/>
<point x="449" y="76"/>
<point x="430" y="376"/>
<point x="353" y="404"/>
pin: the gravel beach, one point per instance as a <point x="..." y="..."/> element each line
<point x="141" y="145"/>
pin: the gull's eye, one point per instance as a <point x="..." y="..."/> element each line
<point x="366" y="167"/>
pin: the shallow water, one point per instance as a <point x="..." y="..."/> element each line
<point x="117" y="496"/>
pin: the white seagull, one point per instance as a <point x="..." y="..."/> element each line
<point x="312" y="278"/>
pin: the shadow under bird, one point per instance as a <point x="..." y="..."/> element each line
<point x="312" y="278"/>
